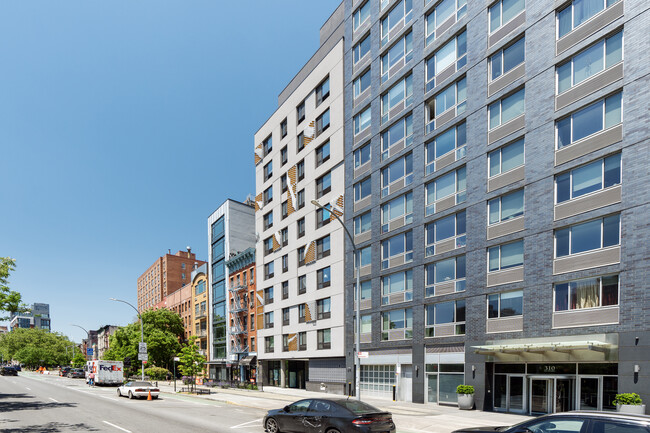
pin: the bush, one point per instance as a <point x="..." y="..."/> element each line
<point x="157" y="373"/>
<point x="464" y="389"/>
<point x="630" y="398"/>
<point x="187" y="380"/>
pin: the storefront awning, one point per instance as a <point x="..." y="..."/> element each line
<point x="248" y="360"/>
<point x="560" y="346"/>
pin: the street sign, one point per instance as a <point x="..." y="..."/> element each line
<point x="362" y="354"/>
<point x="143" y="357"/>
<point x="89" y="351"/>
<point x="176" y="359"/>
<point x="142" y="348"/>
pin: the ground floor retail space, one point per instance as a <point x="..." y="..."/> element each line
<point x="325" y="375"/>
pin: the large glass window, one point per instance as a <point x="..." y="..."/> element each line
<point x="397" y="283"/>
<point x="361" y="49"/>
<point x="362" y="223"/>
<point x="503" y="11"/>
<point x="506" y="304"/>
<point x="323" y="185"/>
<point x="506" y="256"/>
<point x="362" y="120"/>
<point x="586" y="293"/>
<point x="452" y="226"/>
<point x="596" y="58"/>
<point x="452" y="140"/>
<point x="506" y="158"/>
<point x="578" y="12"/>
<point x="588" y="178"/>
<point x="445" y="271"/>
<point x="361" y="83"/>
<point x="362" y="189"/>
<point x="397" y="319"/>
<point x="441" y="13"/>
<point x="506" y="207"/>
<point x="445" y="313"/>
<point x="401" y="50"/>
<point x="362" y="155"/>
<point x="361" y="15"/>
<point x="507" y="59"/>
<point x="402" y="129"/>
<point x="454" y="95"/>
<point x="453" y="183"/>
<point x="506" y="109"/>
<point x="594" y="118"/>
<point x="453" y="51"/>
<point x="588" y="236"/>
<point x="397" y="246"/>
<point x="324" y="339"/>
<point x="400" y="92"/>
<point x="365" y="254"/>
<point x="398" y="207"/>
<point x="403" y="11"/>
<point x="397" y="170"/>
<point x="377" y="378"/>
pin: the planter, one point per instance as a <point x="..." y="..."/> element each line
<point x="466" y="401"/>
<point x="631" y="408"/>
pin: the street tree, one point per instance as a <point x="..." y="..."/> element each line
<point x="191" y="361"/>
<point x="79" y="360"/>
<point x="34" y="347"/>
<point x="10" y="301"/>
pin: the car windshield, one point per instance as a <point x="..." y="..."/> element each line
<point x="358" y="407"/>
<point x="141" y="384"/>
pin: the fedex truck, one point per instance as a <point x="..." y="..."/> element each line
<point x="106" y="372"/>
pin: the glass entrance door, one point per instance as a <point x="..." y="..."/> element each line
<point x="552" y="394"/>
<point x="516" y="394"/>
<point x="564" y="394"/>
<point x="540" y="390"/>
<point x="589" y="388"/>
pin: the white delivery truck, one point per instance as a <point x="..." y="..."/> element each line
<point x="106" y="372"/>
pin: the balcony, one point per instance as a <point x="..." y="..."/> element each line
<point x="203" y="314"/>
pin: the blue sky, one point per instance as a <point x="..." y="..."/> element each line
<point x="123" y="125"/>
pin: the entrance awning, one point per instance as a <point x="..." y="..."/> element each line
<point x="559" y="346"/>
<point x="248" y="360"/>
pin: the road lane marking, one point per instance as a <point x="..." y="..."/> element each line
<point x="55" y="401"/>
<point x="28" y="388"/>
<point x="246" y="423"/>
<point x="117" y="427"/>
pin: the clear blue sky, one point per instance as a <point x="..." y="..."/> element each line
<point x="123" y="125"/>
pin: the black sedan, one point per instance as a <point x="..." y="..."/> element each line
<point x="76" y="373"/>
<point x="329" y="415"/>
<point x="574" y="422"/>
<point x="8" y="371"/>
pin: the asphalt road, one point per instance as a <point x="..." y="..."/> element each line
<point x="33" y="403"/>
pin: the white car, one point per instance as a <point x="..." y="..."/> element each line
<point x="138" y="389"/>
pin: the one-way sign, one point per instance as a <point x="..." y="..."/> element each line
<point x="142" y="348"/>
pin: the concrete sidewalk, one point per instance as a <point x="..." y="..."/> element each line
<point x="409" y="417"/>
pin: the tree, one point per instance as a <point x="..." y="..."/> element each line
<point x="10" y="301"/>
<point x="79" y="360"/>
<point x="163" y="329"/>
<point x="34" y="347"/>
<point x="191" y="361"/>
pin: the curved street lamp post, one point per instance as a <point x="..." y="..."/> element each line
<point x="88" y="335"/>
<point x="357" y="294"/>
<point x="141" y="326"/>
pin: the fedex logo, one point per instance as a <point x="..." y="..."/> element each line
<point x="110" y="368"/>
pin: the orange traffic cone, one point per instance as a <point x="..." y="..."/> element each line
<point x="149" y="396"/>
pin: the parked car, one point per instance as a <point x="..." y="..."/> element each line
<point x="63" y="371"/>
<point x="574" y="422"/>
<point x="137" y="389"/>
<point x="8" y="370"/>
<point x="329" y="415"/>
<point x="76" y="373"/>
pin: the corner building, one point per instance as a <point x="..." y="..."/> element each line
<point x="299" y="254"/>
<point x="497" y="185"/>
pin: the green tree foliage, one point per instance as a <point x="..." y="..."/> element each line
<point x="79" y="359"/>
<point x="10" y="301"/>
<point x="34" y="347"/>
<point x="163" y="329"/>
<point x="191" y="361"/>
<point x="157" y="373"/>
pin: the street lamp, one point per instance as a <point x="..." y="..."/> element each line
<point x="141" y="326"/>
<point x="357" y="259"/>
<point x="87" y="334"/>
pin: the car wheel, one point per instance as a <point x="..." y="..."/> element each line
<point x="131" y="395"/>
<point x="119" y="394"/>
<point x="333" y="430"/>
<point x="271" y="426"/>
<point x="154" y="397"/>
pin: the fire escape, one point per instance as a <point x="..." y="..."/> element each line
<point x="238" y="330"/>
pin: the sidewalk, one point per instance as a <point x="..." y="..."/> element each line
<point x="409" y="417"/>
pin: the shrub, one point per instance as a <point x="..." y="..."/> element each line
<point x="630" y="398"/>
<point x="465" y="389"/>
<point x="157" y="373"/>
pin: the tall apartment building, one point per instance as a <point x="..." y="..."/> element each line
<point x="200" y="307"/>
<point x="231" y="230"/>
<point x="37" y="317"/>
<point x="242" y="300"/>
<point x="166" y="275"/>
<point x="299" y="158"/>
<point x="180" y="302"/>
<point x="497" y="185"/>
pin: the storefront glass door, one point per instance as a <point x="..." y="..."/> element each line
<point x="516" y="394"/>
<point x="539" y="395"/>
<point x="552" y="394"/>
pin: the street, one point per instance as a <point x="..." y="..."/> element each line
<point x="33" y="403"/>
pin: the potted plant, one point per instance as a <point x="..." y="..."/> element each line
<point x="465" y="397"/>
<point x="629" y="402"/>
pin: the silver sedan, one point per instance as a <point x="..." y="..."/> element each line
<point x="138" y="389"/>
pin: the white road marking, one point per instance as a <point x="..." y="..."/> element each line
<point x="28" y="388"/>
<point x="117" y="427"/>
<point x="246" y="423"/>
<point x="55" y="401"/>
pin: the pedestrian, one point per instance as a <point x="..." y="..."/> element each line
<point x="91" y="379"/>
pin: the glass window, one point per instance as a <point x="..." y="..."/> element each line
<point x="361" y="155"/>
<point x="451" y="140"/>
<point x="366" y="324"/>
<point x="442" y="12"/>
<point x="578" y="12"/>
<point x="446" y="228"/>
<point x="401" y="168"/>
<point x="506" y="256"/>
<point x="452" y="269"/>
<point x="361" y="15"/>
<point x="361" y="83"/>
<point x="362" y="223"/>
<point x="323" y="185"/>
<point x="588" y="178"/>
<point x="283" y="128"/>
<point x="396" y="246"/>
<point x="453" y="51"/>
<point x="505" y="304"/>
<point x="397" y="283"/>
<point x="362" y="189"/>
<point x="506" y="158"/>
<point x="322" y="91"/>
<point x="503" y="11"/>
<point x="268" y="170"/>
<point x="362" y="121"/>
<point x="300" y="111"/>
<point x="402" y="129"/>
<point x="398" y="207"/>
<point x="366" y="256"/>
<point x="361" y="49"/>
<point x="588" y="236"/>
<point x="586" y="293"/>
<point x="506" y="109"/>
<point x="506" y="207"/>
<point x="322" y="153"/>
<point x="506" y="59"/>
<point x="452" y="95"/>
<point x="445" y="313"/>
<point x="596" y="117"/>
<point x="445" y="186"/>
<point x="322" y="122"/>
<point x="267" y="145"/>
<point x="402" y="50"/>
<point x="397" y="319"/>
<point x="366" y="290"/>
<point x="403" y="10"/>
<point x="323" y="278"/>
<point x="400" y="92"/>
